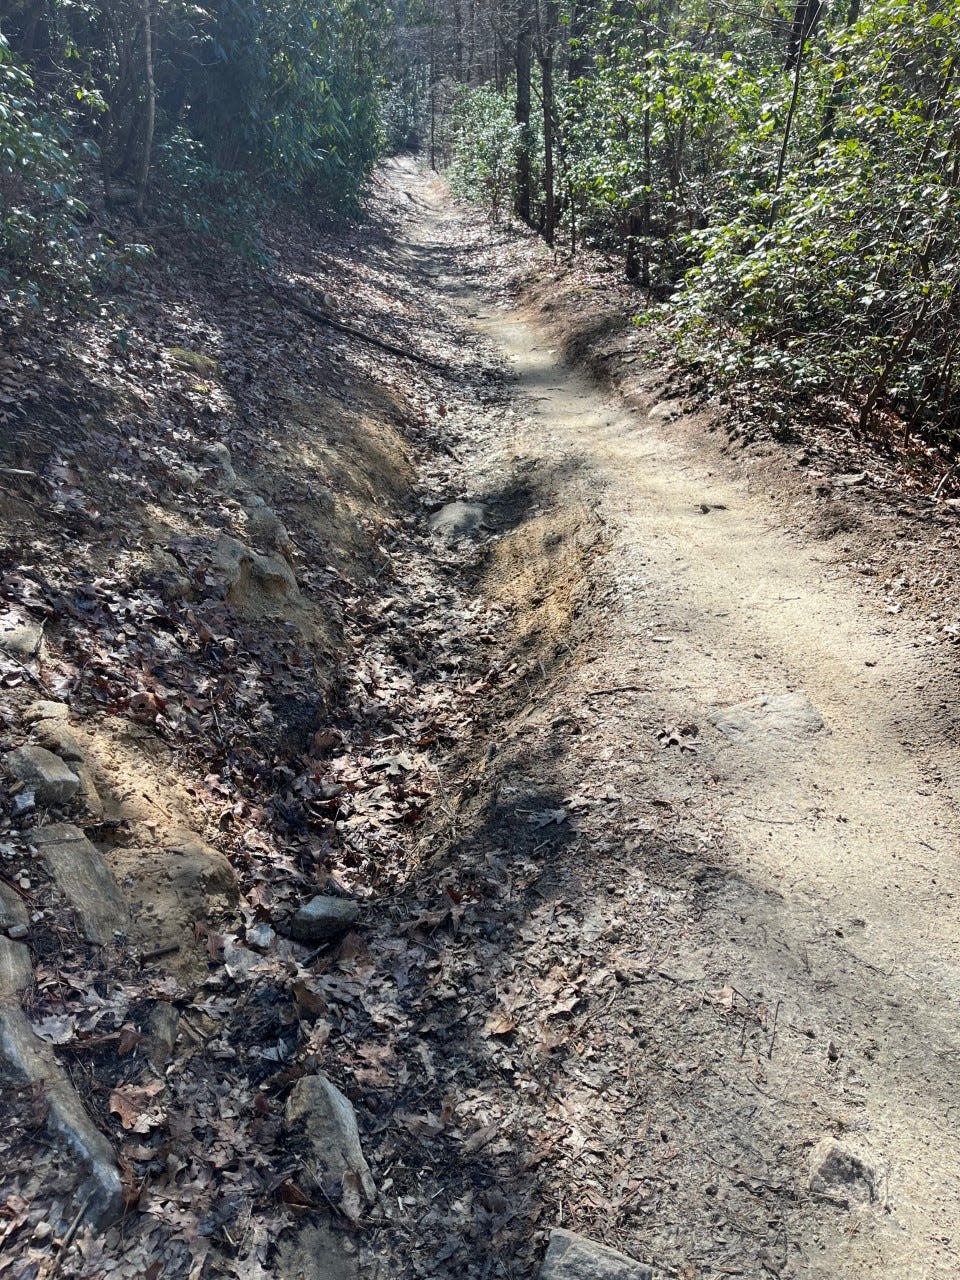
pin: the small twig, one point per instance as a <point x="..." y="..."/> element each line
<point x="618" y="688"/>
<point x="159" y="952"/>
<point x="67" y="1240"/>
<point x="773" y="1033"/>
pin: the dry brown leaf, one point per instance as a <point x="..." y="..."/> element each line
<point x="136" y="1106"/>
<point x="500" y="1024"/>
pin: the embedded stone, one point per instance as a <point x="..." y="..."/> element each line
<point x="324" y="918"/>
<point x="574" y="1257"/>
<point x="458" y="520"/>
<point x="319" y="1112"/>
<point x="20" y="635"/>
<point x="84" y="879"/>
<point x="16" y="969"/>
<point x="43" y="773"/>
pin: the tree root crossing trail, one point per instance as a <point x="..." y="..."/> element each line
<point x="734" y="976"/>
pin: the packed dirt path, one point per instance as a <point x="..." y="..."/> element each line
<point x="749" y="881"/>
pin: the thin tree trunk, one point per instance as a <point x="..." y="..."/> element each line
<point x="151" y="110"/>
<point x="523" y="180"/>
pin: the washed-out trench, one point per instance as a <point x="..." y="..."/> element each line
<point x="737" y="790"/>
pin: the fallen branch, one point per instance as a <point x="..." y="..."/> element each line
<point x="322" y="317"/>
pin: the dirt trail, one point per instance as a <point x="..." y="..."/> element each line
<point x="738" y="716"/>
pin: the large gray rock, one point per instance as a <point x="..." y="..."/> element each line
<point x="785" y="715"/>
<point x="84" y="879"/>
<point x="573" y="1257"/>
<point x="323" y="918"/>
<point x="31" y="1060"/>
<point x="317" y="1110"/>
<point x="458" y="520"/>
<point x="43" y="773"/>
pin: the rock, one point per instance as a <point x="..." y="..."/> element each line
<point x="785" y="715"/>
<point x="43" y="773"/>
<point x="170" y="888"/>
<point x="88" y="791"/>
<point x="175" y="583"/>
<point x="24" y="802"/>
<point x="56" y="736"/>
<point x="265" y="526"/>
<point x="17" y="931"/>
<point x="253" y="579"/>
<point x="573" y="1257"/>
<point x="323" y="918"/>
<point x="842" y="1173"/>
<point x="164" y="1023"/>
<point x="20" y="636"/>
<point x="46" y="710"/>
<point x="222" y="463"/>
<point x="261" y="936"/>
<point x="317" y="1253"/>
<point x="194" y="362"/>
<point x="101" y="1194"/>
<point x="16" y="968"/>
<point x="85" y="880"/>
<point x="852" y="479"/>
<point x="318" y="1111"/>
<point x="13" y="910"/>
<point x="458" y="520"/>
<point x="665" y="411"/>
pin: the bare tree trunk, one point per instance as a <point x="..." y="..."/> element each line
<point x="522" y="197"/>
<point x="151" y="109"/>
<point x="548" y="33"/>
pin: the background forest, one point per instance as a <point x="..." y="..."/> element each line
<point x="784" y="177"/>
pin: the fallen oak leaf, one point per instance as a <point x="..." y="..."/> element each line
<point x="500" y="1024"/>
<point x="136" y="1107"/>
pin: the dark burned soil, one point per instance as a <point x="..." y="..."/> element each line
<point x="635" y="749"/>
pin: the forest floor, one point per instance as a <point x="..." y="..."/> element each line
<point x="637" y="748"/>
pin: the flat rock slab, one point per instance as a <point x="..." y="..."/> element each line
<point x="323" y="919"/>
<point x="573" y="1257"/>
<point x="458" y="520"/>
<point x="789" y="716"/>
<point x="43" y="773"/>
<point x="31" y="1060"/>
<point x="85" y="880"/>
